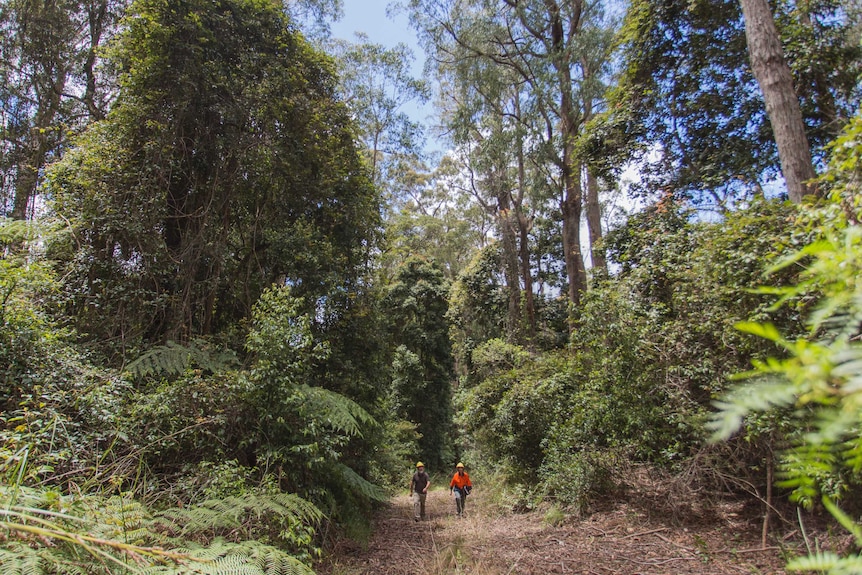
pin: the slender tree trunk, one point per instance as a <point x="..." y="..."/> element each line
<point x="572" y="203"/>
<point x="594" y="223"/>
<point x="510" y="265"/>
<point x="782" y="104"/>
<point x="25" y="185"/>
<point x="573" y="199"/>
<point x="523" y="223"/>
<point x="527" y="276"/>
<point x="42" y="131"/>
<point x="97" y="17"/>
<point x="571" y="210"/>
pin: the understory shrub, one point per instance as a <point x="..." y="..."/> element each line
<point x="815" y="384"/>
<point x="46" y="532"/>
<point x="650" y="350"/>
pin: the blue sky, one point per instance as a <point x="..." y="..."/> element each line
<point x="369" y="16"/>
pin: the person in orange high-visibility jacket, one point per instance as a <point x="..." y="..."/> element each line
<point x="460" y="487"/>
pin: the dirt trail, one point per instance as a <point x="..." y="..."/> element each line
<point x="624" y="540"/>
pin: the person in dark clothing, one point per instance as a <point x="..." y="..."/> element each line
<point x="419" y="490"/>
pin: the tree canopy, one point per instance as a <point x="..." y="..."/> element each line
<point x="239" y="300"/>
<point x="226" y="156"/>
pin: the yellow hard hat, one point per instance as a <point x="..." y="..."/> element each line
<point x="460" y="465"/>
<point x="420" y="464"/>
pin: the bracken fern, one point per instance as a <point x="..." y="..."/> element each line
<point x="44" y="533"/>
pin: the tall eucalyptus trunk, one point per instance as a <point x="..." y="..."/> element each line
<point x="522" y="222"/>
<point x="594" y="223"/>
<point x="508" y="225"/>
<point x="571" y="206"/>
<point x="782" y="104"/>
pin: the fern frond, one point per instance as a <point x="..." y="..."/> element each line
<point x="341" y="412"/>
<point x="826" y="562"/>
<point x="18" y="231"/>
<point x="20" y="559"/>
<point x="174" y="359"/>
<point x="169" y="359"/>
<point x="222" y="557"/>
<point x="231" y="512"/>
<point x="849" y="367"/>
<point x="359" y="484"/>
<point x="104" y="536"/>
<point x="742" y="401"/>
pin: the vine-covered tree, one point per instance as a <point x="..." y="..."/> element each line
<point x="422" y="357"/>
<point x="51" y="84"/>
<point x="227" y="164"/>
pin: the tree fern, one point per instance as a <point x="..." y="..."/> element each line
<point x="340" y="412"/>
<point x="174" y="358"/>
<point x="357" y="483"/>
<point x="233" y="512"/>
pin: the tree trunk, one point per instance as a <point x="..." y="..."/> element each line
<point x="42" y="131"/>
<point x="571" y="209"/>
<point x="572" y="203"/>
<point x="523" y="222"/>
<point x="508" y="224"/>
<point x="782" y="105"/>
<point x="98" y="16"/>
<point x="594" y="223"/>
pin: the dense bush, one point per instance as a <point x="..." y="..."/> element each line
<point x="814" y="385"/>
<point x="650" y="350"/>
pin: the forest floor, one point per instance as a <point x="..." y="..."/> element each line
<point x="631" y="536"/>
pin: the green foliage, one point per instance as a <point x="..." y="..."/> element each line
<point x="49" y="533"/>
<point x="224" y="558"/>
<point x="430" y="222"/>
<point x="826" y="562"/>
<point x="376" y="83"/>
<point x="574" y="480"/>
<point x="509" y="413"/>
<point x="687" y="84"/>
<point x="651" y="348"/>
<point x="301" y="429"/>
<point x="495" y="355"/>
<point x="173" y="359"/>
<point x="226" y="165"/>
<point x="818" y="374"/>
<point x="57" y="410"/>
<point x="421" y="368"/>
<point x="396" y="443"/>
<point x="477" y="305"/>
<point x="281" y="519"/>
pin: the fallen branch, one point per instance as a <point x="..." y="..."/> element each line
<point x="660" y="529"/>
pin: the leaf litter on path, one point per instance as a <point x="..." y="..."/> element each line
<point x="624" y="539"/>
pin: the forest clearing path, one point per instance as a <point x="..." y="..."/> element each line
<point x="623" y="540"/>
